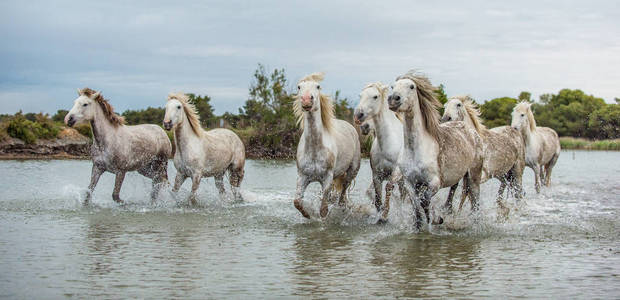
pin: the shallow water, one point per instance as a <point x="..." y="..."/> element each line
<point x="562" y="243"/>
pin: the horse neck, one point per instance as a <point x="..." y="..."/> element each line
<point x="469" y="123"/>
<point x="103" y="130"/>
<point x="416" y="137"/>
<point x="528" y="134"/>
<point x="385" y="122"/>
<point x="184" y="134"/>
<point x="313" y="128"/>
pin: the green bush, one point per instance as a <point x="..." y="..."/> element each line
<point x="29" y="131"/>
<point x="84" y="129"/>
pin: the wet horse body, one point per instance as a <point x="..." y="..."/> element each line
<point x="328" y="150"/>
<point x="542" y="144"/>
<point x="434" y="155"/>
<point x="202" y="153"/>
<point x="373" y="109"/>
<point x="503" y="150"/>
<point x="118" y="148"/>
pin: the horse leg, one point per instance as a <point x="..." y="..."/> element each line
<point x="195" y="184"/>
<point x="118" y="182"/>
<point x="326" y="184"/>
<point x="94" y="178"/>
<point x="389" y="187"/>
<point x="501" y="206"/>
<point x="236" y="176"/>
<point x="219" y="184"/>
<point x="537" y="178"/>
<point x="448" y="205"/>
<point x="464" y="191"/>
<point x="302" y="184"/>
<point x="377" y="184"/>
<point x="548" y="169"/>
<point x="178" y="181"/>
<point x="161" y="177"/>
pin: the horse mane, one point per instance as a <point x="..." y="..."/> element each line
<point x="190" y="111"/>
<point x="108" y="110"/>
<point x="472" y="110"/>
<point x="327" y="107"/>
<point x="429" y="105"/>
<point x="526" y="108"/>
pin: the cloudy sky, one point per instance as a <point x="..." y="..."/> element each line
<point x="137" y="53"/>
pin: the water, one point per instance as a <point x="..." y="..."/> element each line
<point x="563" y="243"/>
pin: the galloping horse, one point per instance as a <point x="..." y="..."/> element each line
<point x="329" y="149"/>
<point x="202" y="153"/>
<point x="434" y="155"/>
<point x="504" y="150"/>
<point x="118" y="148"/>
<point x="542" y="145"/>
<point x="373" y="108"/>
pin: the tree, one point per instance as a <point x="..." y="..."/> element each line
<point x="525" y="96"/>
<point x="59" y="116"/>
<point x="604" y="123"/>
<point x="440" y="92"/>
<point x="497" y="112"/>
<point x="204" y="108"/>
<point x="342" y="109"/>
<point x="568" y="112"/>
<point x="269" y="105"/>
<point x="150" y="115"/>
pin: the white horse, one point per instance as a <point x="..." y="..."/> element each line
<point x="542" y="145"/>
<point x="373" y="111"/>
<point x="434" y="155"/>
<point x="118" y="148"/>
<point x="201" y="153"/>
<point x="329" y="149"/>
<point x="504" y="150"/>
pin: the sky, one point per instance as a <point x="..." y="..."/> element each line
<point x="136" y="52"/>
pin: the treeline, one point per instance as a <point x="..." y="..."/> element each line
<point x="267" y="125"/>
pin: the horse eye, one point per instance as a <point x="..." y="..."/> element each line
<point x="523" y="115"/>
<point x="375" y="97"/>
<point x="411" y="87"/>
<point x="318" y="87"/>
<point x="85" y="104"/>
<point x="299" y="87"/>
<point x="179" y="107"/>
<point x="458" y="105"/>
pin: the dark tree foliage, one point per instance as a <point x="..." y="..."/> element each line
<point x="497" y="112"/>
<point x="150" y="115"/>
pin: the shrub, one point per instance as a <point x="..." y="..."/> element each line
<point x="29" y="131"/>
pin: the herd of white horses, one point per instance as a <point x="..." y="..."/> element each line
<point x="414" y="147"/>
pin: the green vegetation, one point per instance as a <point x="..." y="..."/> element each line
<point x="579" y="143"/>
<point x="267" y="125"/>
<point x="31" y="127"/>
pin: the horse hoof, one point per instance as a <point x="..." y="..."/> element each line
<point x="381" y="221"/>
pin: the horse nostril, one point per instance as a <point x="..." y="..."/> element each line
<point x="312" y="97"/>
<point x="396" y="98"/>
<point x="449" y="118"/>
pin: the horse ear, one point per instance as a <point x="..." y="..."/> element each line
<point x="79" y="92"/>
<point x="95" y="95"/>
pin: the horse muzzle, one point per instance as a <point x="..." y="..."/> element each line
<point x="70" y="122"/>
<point x="394" y="102"/>
<point x="168" y="125"/>
<point x="365" y="129"/>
